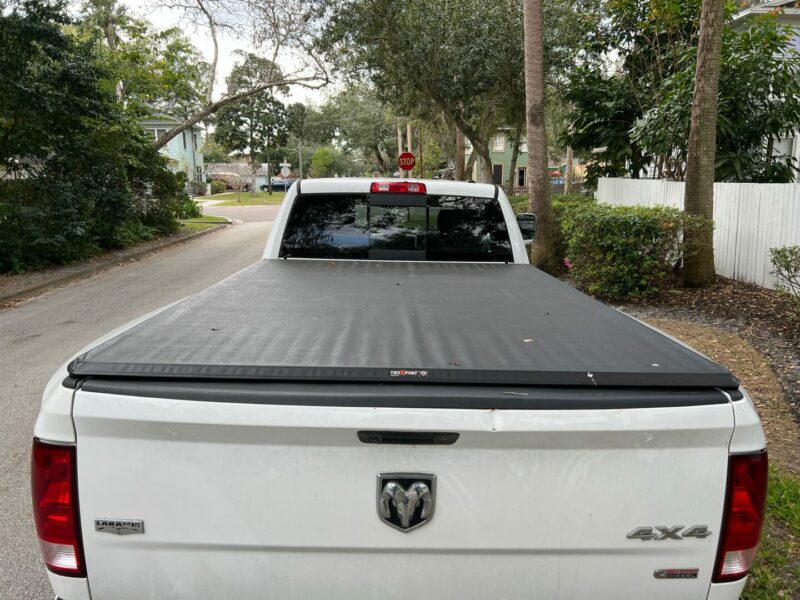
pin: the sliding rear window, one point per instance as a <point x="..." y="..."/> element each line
<point x="436" y="228"/>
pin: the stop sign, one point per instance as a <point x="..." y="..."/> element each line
<point x="406" y="161"/>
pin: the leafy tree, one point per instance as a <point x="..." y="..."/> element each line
<point x="328" y="161"/>
<point x="456" y="56"/>
<point x="364" y="124"/>
<point x="759" y="102"/>
<point x="276" y="28"/>
<point x="77" y="173"/>
<point x="603" y="114"/>
<point x="255" y="124"/>
<point x="638" y="114"/>
<point x="153" y="73"/>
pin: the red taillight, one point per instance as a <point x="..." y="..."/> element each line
<point x="55" y="507"/>
<point x="398" y="187"/>
<point x="744" y="514"/>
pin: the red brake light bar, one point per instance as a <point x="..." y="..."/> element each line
<point x="55" y="508"/>
<point x="398" y="187"/>
<point x="744" y="515"/>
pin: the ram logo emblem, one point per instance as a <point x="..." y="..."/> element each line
<point x="406" y="500"/>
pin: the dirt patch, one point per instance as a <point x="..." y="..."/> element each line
<point x="756" y="375"/>
<point x="763" y="317"/>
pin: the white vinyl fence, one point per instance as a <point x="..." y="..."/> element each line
<point x="749" y="219"/>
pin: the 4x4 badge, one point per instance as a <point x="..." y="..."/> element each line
<point x="660" y="533"/>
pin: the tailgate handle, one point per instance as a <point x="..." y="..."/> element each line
<point x="422" y="438"/>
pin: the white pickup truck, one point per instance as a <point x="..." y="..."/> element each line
<point x="394" y="404"/>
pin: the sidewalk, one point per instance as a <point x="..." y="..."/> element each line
<point x="15" y="288"/>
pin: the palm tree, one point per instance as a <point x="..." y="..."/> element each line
<point x="108" y="16"/>
<point x="699" y="265"/>
<point x="538" y="178"/>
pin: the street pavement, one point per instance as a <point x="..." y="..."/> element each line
<point x="37" y="336"/>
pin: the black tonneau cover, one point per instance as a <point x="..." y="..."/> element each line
<point x="394" y="322"/>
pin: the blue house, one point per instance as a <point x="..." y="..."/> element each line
<point x="184" y="152"/>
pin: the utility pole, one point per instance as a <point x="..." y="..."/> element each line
<point x="399" y="139"/>
<point x="300" y="157"/>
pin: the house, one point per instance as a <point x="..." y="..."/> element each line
<point x="787" y="13"/>
<point x="501" y="151"/>
<point x="239" y="169"/>
<point x="184" y="152"/>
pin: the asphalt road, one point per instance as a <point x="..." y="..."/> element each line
<point x="39" y="335"/>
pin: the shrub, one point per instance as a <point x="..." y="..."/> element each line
<point x="134" y="232"/>
<point x="218" y="187"/>
<point x="626" y="251"/>
<point x="565" y="207"/>
<point x="198" y="188"/>
<point x="519" y="204"/>
<point x="786" y="269"/>
<point x="189" y="209"/>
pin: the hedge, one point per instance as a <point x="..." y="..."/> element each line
<point x="618" y="252"/>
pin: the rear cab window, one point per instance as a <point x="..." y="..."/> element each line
<point x="391" y="227"/>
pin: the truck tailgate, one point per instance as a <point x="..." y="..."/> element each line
<point x="250" y="499"/>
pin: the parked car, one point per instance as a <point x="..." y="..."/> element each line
<point x="279" y="184"/>
<point x="393" y="403"/>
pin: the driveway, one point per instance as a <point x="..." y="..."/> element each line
<point x="39" y="335"/>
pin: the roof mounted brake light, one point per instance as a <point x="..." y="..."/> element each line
<point x="398" y="187"/>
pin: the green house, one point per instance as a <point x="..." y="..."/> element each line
<point x="500" y="151"/>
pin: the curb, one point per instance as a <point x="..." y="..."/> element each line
<point x="99" y="266"/>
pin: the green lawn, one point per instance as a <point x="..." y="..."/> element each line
<point x="201" y="223"/>
<point x="247" y="199"/>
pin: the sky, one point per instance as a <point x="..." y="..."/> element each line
<point x="164" y="18"/>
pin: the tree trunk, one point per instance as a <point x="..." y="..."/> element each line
<point x="512" y="176"/>
<point x="770" y="146"/>
<point x="538" y="179"/>
<point x="379" y="157"/>
<point x="569" y="172"/>
<point x="470" y="165"/>
<point x="461" y="167"/>
<point x="485" y="163"/>
<point x="699" y="263"/>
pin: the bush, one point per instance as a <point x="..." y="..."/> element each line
<point x="198" y="188"/>
<point x="218" y="187"/>
<point x="786" y="269"/>
<point x="134" y="232"/>
<point x="91" y="178"/>
<point x="519" y="204"/>
<point x="618" y="252"/>
<point x="565" y="207"/>
<point x="189" y="209"/>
